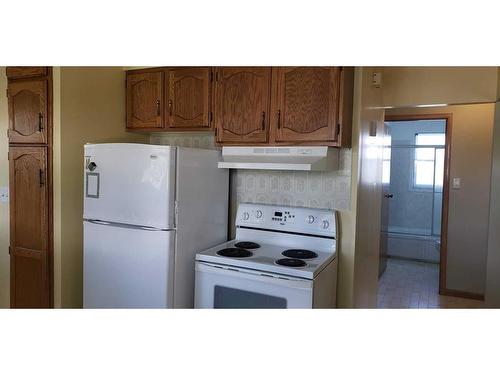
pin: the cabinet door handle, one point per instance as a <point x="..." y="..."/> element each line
<point x="158" y="107"/>
<point x="279" y="119"/>
<point x="40" y="121"/>
<point x="263" y="120"/>
<point x="170" y="107"/>
<point x="42" y="178"/>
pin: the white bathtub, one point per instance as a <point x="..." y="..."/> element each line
<point x="414" y="246"/>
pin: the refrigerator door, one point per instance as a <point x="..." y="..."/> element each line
<point x="130" y="184"/>
<point x="127" y="267"/>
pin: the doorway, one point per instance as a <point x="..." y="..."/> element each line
<point x="414" y="213"/>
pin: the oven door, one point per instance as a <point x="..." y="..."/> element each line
<point x="230" y="288"/>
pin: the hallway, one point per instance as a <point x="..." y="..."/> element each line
<point x="411" y="284"/>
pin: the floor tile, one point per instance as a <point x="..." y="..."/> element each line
<point x="409" y="284"/>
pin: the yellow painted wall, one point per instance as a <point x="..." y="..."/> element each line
<point x="358" y="255"/>
<point x="92" y="110"/>
<point x="368" y="190"/>
<point x="492" y="296"/>
<point x="4" y="207"/>
<point x="56" y="170"/>
<point x="347" y="218"/>
<point x="411" y="86"/>
<point x="498" y="84"/>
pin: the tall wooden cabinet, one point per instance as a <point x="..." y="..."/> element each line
<point x="28" y="111"/>
<point x="29" y="240"/>
<point x="29" y="94"/>
<point x="14" y="72"/>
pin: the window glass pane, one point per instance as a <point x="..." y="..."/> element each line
<point x="430" y="139"/>
<point x="424" y="154"/>
<point x="439" y="173"/>
<point x="387" y="140"/>
<point x="386" y="153"/>
<point x="424" y="173"/>
<point x="386" y="172"/>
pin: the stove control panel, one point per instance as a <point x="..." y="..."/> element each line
<point x="293" y="219"/>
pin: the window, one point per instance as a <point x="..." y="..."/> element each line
<point x="425" y="159"/>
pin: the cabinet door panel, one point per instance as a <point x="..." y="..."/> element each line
<point x="189" y="98"/>
<point x="29" y="227"/>
<point x="144" y="100"/>
<point x="28" y="111"/>
<point x="305" y="106"/>
<point x="242" y="97"/>
<point x="26" y="71"/>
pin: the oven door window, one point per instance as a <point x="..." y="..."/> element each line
<point x="230" y="298"/>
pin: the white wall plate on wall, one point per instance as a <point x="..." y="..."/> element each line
<point x="4" y="194"/>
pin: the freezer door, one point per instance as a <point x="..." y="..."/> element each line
<point x="126" y="267"/>
<point x="130" y="184"/>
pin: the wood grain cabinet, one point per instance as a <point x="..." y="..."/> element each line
<point x="305" y="104"/>
<point x="169" y="99"/>
<point x="188" y="102"/>
<point x="145" y="97"/>
<point x="308" y="106"/>
<point x="241" y="105"/>
<point x="14" y="72"/>
<point x="29" y="243"/>
<point x="245" y="105"/>
<point x="28" y="110"/>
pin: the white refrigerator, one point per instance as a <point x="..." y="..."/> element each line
<point x="147" y="210"/>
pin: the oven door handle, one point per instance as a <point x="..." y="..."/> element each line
<point x="255" y="276"/>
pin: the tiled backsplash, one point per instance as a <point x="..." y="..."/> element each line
<point x="196" y="140"/>
<point x="294" y="188"/>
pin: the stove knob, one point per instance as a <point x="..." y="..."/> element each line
<point x="258" y="214"/>
<point x="310" y="219"/>
<point x="326" y="224"/>
<point x="246" y="216"/>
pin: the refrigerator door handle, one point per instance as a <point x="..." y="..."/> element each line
<point x="100" y="222"/>
<point x="141" y="227"/>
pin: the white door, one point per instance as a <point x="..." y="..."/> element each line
<point x="217" y="287"/>
<point x="127" y="267"/>
<point x="130" y="184"/>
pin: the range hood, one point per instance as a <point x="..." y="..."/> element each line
<point x="314" y="158"/>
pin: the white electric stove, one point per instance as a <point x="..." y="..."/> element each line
<point x="282" y="257"/>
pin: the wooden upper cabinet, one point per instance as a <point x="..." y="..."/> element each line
<point x="241" y="108"/>
<point x="145" y="100"/>
<point x="28" y="111"/>
<point x="29" y="227"/>
<point x="306" y="104"/>
<point x="14" y="72"/>
<point x="188" y="103"/>
<point x="245" y="105"/>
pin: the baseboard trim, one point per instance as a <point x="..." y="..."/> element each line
<point x="458" y="293"/>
